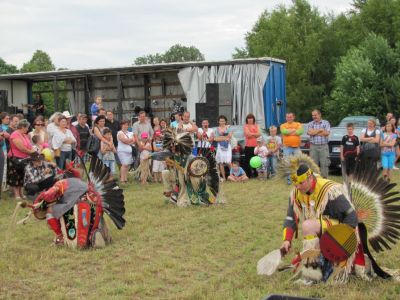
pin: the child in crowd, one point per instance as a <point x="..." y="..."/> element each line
<point x="261" y="151"/>
<point x="274" y="143"/>
<point x="349" y="149"/>
<point x="108" y="151"/>
<point x="145" y="150"/>
<point x="388" y="151"/>
<point x="237" y="174"/>
<point x="94" y="109"/>
<point x="158" y="165"/>
<point x="37" y="143"/>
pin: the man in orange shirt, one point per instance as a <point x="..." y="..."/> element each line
<point x="291" y="132"/>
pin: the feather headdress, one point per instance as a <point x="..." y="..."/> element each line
<point x="290" y="164"/>
<point x="376" y="204"/>
<point x="182" y="141"/>
<point x="112" y="197"/>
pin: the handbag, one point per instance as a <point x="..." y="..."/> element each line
<point x="93" y="144"/>
<point x="18" y="163"/>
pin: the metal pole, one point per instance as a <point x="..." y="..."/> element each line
<point x="119" y="96"/>
<point x="55" y="93"/>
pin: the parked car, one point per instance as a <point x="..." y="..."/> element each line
<point x="337" y="133"/>
<point x="305" y="140"/>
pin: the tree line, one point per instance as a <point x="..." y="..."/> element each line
<point x="344" y="64"/>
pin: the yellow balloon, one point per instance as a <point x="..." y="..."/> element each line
<point x="48" y="156"/>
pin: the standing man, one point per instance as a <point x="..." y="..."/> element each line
<point x="187" y="126"/>
<point x="142" y="125"/>
<point x="319" y="130"/>
<point x="291" y="132"/>
<point x="38" y="105"/>
<point x="83" y="136"/>
<point x="113" y="125"/>
<point x="205" y="136"/>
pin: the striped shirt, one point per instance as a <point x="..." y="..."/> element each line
<point x="317" y="139"/>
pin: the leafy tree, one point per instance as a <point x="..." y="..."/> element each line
<point x="367" y="80"/>
<point x="381" y="17"/>
<point x="41" y="62"/>
<point x="294" y="34"/>
<point x="7" y="68"/>
<point x="177" y="53"/>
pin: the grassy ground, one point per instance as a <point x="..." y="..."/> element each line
<point x="166" y="252"/>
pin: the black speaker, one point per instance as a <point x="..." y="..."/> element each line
<point x="204" y="111"/>
<point x="212" y="94"/>
<point x="218" y="94"/>
<point x="3" y="100"/>
<point x="226" y="110"/>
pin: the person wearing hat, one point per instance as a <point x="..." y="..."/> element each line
<point x="39" y="175"/>
<point x="315" y="204"/>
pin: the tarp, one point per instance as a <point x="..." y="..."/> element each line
<point x="247" y="83"/>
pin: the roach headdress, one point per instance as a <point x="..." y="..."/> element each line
<point x="182" y="142"/>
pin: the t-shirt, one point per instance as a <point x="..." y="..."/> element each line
<point x="387" y="138"/>
<point x="261" y="151"/>
<point x="273" y="143"/>
<point x="114" y="127"/>
<point x="350" y="143"/>
<point x="251" y="141"/>
<point x="292" y="140"/>
<point x="84" y="134"/>
<point x="138" y="128"/>
<point x="58" y="140"/>
<point x="238" y="172"/>
<point x="223" y="144"/>
<point x="94" y="109"/>
<point x="206" y="135"/>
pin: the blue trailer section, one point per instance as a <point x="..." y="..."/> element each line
<point x="275" y="95"/>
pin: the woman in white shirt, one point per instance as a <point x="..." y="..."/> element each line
<point x="126" y="140"/>
<point x="63" y="142"/>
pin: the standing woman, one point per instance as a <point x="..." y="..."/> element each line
<point x="251" y="133"/>
<point x="126" y="140"/>
<point x="98" y="130"/>
<point x="156" y="124"/>
<point x="370" y="143"/>
<point x="39" y="129"/>
<point x="63" y="142"/>
<point x="224" y="151"/>
<point x="388" y="151"/>
<point x="20" y="148"/>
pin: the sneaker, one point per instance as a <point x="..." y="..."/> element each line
<point x="395" y="168"/>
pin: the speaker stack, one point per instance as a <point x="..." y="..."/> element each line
<point x="218" y="102"/>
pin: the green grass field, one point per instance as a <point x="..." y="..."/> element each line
<point x="165" y="252"/>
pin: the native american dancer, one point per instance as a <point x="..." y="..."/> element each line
<point x="74" y="208"/>
<point x="188" y="179"/>
<point x="335" y="220"/>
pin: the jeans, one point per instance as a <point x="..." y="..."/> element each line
<point x="290" y="151"/>
<point x="320" y="155"/>
<point x="63" y="157"/>
<point x="110" y="164"/>
<point x="272" y="164"/>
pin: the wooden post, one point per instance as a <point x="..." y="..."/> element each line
<point x="87" y="95"/>
<point x="55" y="93"/>
<point x="146" y="83"/>
<point x="120" y="96"/>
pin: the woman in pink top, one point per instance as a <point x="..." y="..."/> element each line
<point x="20" y="148"/>
<point x="251" y="133"/>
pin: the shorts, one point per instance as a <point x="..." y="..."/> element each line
<point x="387" y="160"/>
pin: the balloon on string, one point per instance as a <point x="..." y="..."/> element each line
<point x="48" y="156"/>
<point x="255" y="162"/>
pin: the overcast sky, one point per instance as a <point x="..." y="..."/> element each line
<point x="106" y="33"/>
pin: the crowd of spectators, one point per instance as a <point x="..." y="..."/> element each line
<point x="123" y="146"/>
